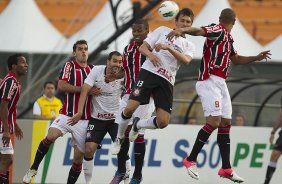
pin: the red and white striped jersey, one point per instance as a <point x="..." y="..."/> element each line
<point x="216" y="52"/>
<point x="75" y="75"/>
<point x="10" y="89"/>
<point x="132" y="62"/>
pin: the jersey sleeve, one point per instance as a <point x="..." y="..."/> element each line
<point x="212" y="31"/>
<point x="92" y="76"/>
<point x="9" y="88"/>
<point x="66" y="72"/>
<point x="36" y="109"/>
<point x="154" y="36"/>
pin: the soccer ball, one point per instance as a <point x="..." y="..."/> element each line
<point x="168" y="10"/>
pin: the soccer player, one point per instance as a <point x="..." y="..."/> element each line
<point x="47" y="106"/>
<point x="212" y="89"/>
<point x="132" y="63"/>
<point x="157" y="77"/>
<point x="70" y="82"/>
<point x="277" y="150"/>
<point x="104" y="106"/>
<point x="10" y="89"/>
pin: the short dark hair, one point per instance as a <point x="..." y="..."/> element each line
<point x="78" y="43"/>
<point x="48" y="82"/>
<point x="187" y="12"/>
<point x="116" y="53"/>
<point x="227" y="16"/>
<point x="142" y="22"/>
<point x="13" y="60"/>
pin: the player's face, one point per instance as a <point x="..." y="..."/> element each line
<point x="115" y="64"/>
<point x="139" y="33"/>
<point x="81" y="53"/>
<point x="22" y="66"/>
<point x="49" y="90"/>
<point x="183" y="21"/>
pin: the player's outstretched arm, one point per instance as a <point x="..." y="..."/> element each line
<point x="82" y="98"/>
<point x="182" y="58"/>
<point x="194" y="31"/>
<point x="65" y="87"/>
<point x="240" y="60"/>
<point x="145" y="49"/>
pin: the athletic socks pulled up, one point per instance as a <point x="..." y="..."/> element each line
<point x="74" y="173"/>
<point x="203" y="136"/>
<point x="223" y="141"/>
<point x="41" y="152"/>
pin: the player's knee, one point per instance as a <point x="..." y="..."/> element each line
<point x="89" y="151"/>
<point x="128" y="112"/>
<point x="162" y="122"/>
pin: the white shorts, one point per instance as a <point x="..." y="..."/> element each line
<point x="142" y="112"/>
<point x="7" y="150"/>
<point x="78" y="130"/>
<point x="215" y="97"/>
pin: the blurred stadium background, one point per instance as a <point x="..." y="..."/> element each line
<point x="46" y="29"/>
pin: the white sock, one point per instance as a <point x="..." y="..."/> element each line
<point x="128" y="165"/>
<point x="147" y="123"/>
<point x="88" y="170"/>
<point x="122" y="125"/>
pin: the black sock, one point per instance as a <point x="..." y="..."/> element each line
<point x="41" y="152"/>
<point x="4" y="178"/>
<point x="123" y="155"/>
<point x="74" y="173"/>
<point x="200" y="141"/>
<point x="269" y="173"/>
<point x="139" y="154"/>
<point x="223" y="141"/>
<point x="125" y="117"/>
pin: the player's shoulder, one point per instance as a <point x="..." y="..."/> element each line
<point x="163" y="29"/>
<point x="99" y="68"/>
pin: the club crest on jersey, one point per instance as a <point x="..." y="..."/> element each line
<point x="88" y="135"/>
<point x="136" y="91"/>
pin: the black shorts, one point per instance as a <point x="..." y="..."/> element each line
<point x="97" y="129"/>
<point x="278" y="144"/>
<point x="149" y="84"/>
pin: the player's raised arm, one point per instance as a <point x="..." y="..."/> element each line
<point x="63" y="86"/>
<point x="145" y="49"/>
<point x="240" y="60"/>
<point x="194" y="31"/>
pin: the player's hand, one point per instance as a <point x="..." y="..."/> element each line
<point x="6" y="138"/>
<point x="174" y="33"/>
<point x="161" y="46"/>
<point x="264" y="55"/>
<point x="271" y="138"/>
<point x="73" y="120"/>
<point x="94" y="91"/>
<point x="155" y="60"/>
<point x="18" y="132"/>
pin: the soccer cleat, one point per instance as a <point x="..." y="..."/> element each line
<point x="28" y="176"/>
<point x="230" y="174"/>
<point x="191" y="168"/>
<point x="116" y="146"/>
<point x="135" y="181"/>
<point x="118" y="177"/>
<point x="133" y="134"/>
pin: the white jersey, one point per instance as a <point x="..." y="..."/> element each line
<point x="169" y="65"/>
<point x="106" y="105"/>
